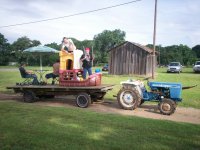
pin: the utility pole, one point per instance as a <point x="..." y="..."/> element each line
<point x="159" y="54"/>
<point x="154" y="42"/>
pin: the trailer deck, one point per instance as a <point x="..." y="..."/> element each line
<point x="84" y="95"/>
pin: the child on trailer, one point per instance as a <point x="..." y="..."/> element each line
<point x="68" y="45"/>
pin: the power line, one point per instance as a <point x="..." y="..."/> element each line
<point x="72" y="15"/>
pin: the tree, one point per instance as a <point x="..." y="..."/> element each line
<point x="50" y="59"/>
<point x="188" y="56"/>
<point x="180" y="53"/>
<point x="196" y="50"/>
<point x="54" y="45"/>
<point x="106" y="40"/>
<point x="35" y="43"/>
<point x="4" y="50"/>
<point x="20" y="45"/>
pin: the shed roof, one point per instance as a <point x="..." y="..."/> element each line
<point x="136" y="44"/>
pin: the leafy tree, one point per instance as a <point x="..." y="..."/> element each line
<point x="87" y="43"/>
<point x="106" y="40"/>
<point x="21" y="44"/>
<point x="50" y="58"/>
<point x="54" y="45"/>
<point x="196" y="50"/>
<point x="187" y="54"/>
<point x="77" y="43"/>
<point x="35" y="43"/>
<point x="81" y="44"/>
<point x="4" y="50"/>
<point x="181" y="53"/>
<point x="18" y="47"/>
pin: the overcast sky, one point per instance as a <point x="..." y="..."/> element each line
<point x="178" y="21"/>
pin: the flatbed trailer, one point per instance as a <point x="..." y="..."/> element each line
<point x="84" y="95"/>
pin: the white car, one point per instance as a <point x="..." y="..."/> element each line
<point x="174" y="67"/>
<point x="196" y="67"/>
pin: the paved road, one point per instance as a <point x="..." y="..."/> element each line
<point x="8" y="69"/>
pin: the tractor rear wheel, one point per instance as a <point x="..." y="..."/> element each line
<point x="167" y="107"/>
<point x="128" y="98"/>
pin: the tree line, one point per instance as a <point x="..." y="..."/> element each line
<point x="101" y="43"/>
<point x="179" y="53"/>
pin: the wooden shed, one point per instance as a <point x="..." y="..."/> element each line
<point x="130" y="58"/>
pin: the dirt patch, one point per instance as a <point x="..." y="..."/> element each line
<point x="190" y="115"/>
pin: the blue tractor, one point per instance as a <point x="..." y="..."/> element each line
<point x="134" y="93"/>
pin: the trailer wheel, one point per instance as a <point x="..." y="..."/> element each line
<point x="167" y="107"/>
<point x="29" y="97"/>
<point x="83" y="100"/>
<point x="128" y="98"/>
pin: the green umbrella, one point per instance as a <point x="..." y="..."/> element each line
<point x="41" y="49"/>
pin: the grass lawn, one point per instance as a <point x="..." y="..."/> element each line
<point x="29" y="126"/>
<point x="191" y="97"/>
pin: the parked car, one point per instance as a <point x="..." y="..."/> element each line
<point x="174" y="67"/>
<point x="196" y="67"/>
<point x="105" y="67"/>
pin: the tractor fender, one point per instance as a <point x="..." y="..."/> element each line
<point x="135" y="86"/>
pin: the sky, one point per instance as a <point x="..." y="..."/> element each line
<point x="178" y="21"/>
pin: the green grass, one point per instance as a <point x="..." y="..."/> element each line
<point x="29" y="126"/>
<point x="191" y="97"/>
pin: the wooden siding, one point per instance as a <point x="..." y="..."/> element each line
<point x="130" y="59"/>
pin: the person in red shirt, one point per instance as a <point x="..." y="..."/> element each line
<point x="87" y="59"/>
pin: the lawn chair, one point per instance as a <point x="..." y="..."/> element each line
<point x="27" y="81"/>
<point x="55" y="80"/>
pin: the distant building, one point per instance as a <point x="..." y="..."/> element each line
<point x="130" y="58"/>
<point x="12" y="63"/>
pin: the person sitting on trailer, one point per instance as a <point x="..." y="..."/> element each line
<point x="55" y="72"/>
<point x="87" y="59"/>
<point x="68" y="45"/>
<point x="28" y="74"/>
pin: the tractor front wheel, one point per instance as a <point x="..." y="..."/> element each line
<point x="128" y="98"/>
<point x="167" y="107"/>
